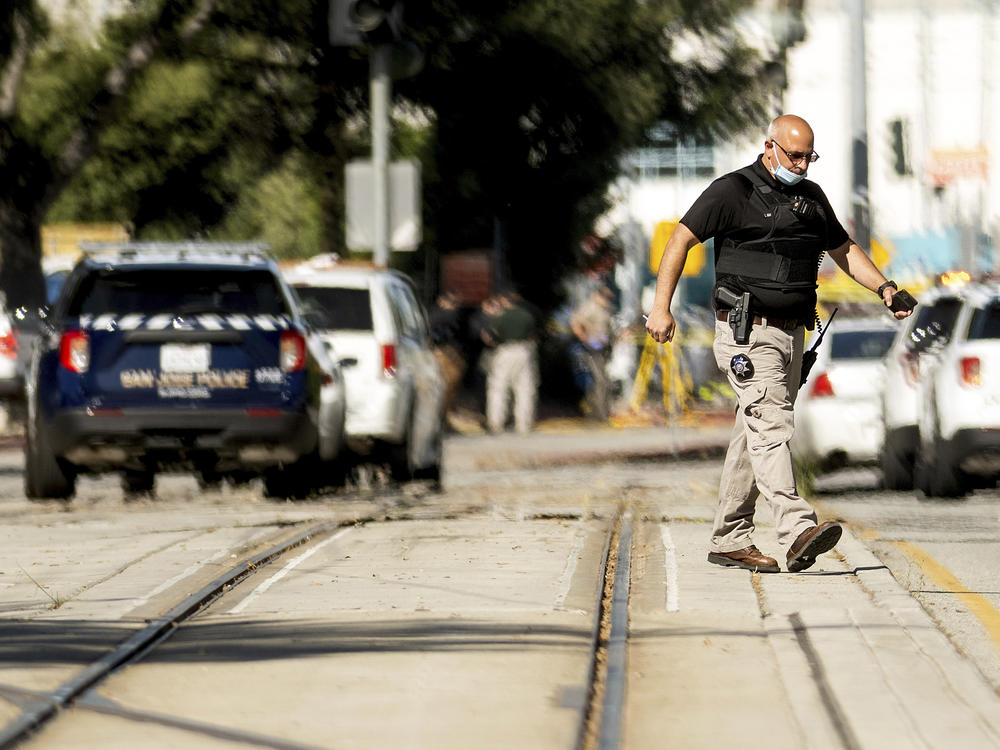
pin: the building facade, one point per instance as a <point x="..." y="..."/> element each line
<point x="930" y="109"/>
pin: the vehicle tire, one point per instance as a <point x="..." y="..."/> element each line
<point x="241" y="478"/>
<point x="936" y="477"/>
<point x="947" y="480"/>
<point x="400" y="456"/>
<point x="335" y="472"/>
<point x="292" y="482"/>
<point x="433" y="470"/>
<point x="135" y="483"/>
<point x="208" y="480"/>
<point x="897" y="470"/>
<point x="46" y="477"/>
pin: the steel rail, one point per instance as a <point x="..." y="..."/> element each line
<point x="600" y="727"/>
<point x="594" y="665"/>
<point x="613" y="705"/>
<point x="133" y="648"/>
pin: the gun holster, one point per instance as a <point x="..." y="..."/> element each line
<point x="740" y="317"/>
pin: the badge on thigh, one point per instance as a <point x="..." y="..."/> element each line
<point x="741" y="366"/>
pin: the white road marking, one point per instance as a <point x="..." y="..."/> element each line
<point x="285" y="571"/>
<point x="190" y="570"/>
<point x="566" y="579"/>
<point x="670" y="565"/>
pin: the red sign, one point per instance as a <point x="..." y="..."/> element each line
<point x="959" y="164"/>
<point x="469" y="274"/>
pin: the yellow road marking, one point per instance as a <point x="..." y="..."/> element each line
<point x="980" y="607"/>
<point x="944" y="579"/>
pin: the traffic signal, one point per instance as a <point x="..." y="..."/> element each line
<point x="898" y="143"/>
<point x="357" y="22"/>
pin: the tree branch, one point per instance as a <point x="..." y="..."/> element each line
<point x="83" y="141"/>
<point x="13" y="71"/>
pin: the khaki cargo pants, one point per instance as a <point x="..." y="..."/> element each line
<point x="759" y="461"/>
<point x="513" y="371"/>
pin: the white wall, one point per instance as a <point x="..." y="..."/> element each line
<point x="929" y="62"/>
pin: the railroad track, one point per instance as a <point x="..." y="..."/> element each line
<point x="599" y="720"/>
<point x="834" y="648"/>
<point x="43" y="708"/>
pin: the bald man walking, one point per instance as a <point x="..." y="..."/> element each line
<point x="771" y="227"/>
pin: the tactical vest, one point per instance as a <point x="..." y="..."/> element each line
<point x="779" y="269"/>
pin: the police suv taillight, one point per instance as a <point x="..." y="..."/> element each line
<point x="8" y="345"/>
<point x="389" y="360"/>
<point x="822" y="386"/>
<point x="911" y="367"/>
<point x="971" y="372"/>
<point x="292" y="351"/>
<point x="74" y="351"/>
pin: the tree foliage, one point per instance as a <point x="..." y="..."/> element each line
<point x="233" y="119"/>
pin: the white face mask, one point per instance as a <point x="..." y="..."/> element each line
<point x="785" y="175"/>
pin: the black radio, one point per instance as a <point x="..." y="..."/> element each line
<point x="804" y="208"/>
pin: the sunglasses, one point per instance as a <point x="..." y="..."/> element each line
<point x="796" y="156"/>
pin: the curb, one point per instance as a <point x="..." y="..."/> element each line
<point x="10" y="442"/>
<point x="503" y="460"/>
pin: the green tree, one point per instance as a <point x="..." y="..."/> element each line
<point x="537" y="101"/>
<point x="221" y="143"/>
<point x="41" y="156"/>
<point x="234" y="118"/>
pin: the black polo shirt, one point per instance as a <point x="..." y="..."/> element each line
<point x="721" y="211"/>
<point x="724" y="211"/>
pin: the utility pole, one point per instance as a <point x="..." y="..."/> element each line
<point x="381" y="96"/>
<point x="375" y="24"/>
<point x="859" y="126"/>
<point x="982" y="256"/>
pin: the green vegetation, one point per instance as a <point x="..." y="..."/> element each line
<point x="233" y="119"/>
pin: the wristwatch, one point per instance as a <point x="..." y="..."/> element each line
<point x="882" y="288"/>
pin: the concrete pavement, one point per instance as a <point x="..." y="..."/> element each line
<point x="471" y="631"/>
<point x="839" y="656"/>
<point x="566" y="441"/>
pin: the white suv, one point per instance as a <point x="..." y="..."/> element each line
<point x="377" y="328"/>
<point x="909" y="359"/>
<point x="959" y="400"/>
<point x="837" y="420"/>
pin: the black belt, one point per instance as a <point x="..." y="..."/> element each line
<point x="785" y="324"/>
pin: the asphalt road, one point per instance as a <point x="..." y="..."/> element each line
<point x="944" y="552"/>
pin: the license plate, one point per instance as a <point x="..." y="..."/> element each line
<point x="185" y="357"/>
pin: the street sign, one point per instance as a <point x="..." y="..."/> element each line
<point x="945" y="166"/>
<point x="405" y="225"/>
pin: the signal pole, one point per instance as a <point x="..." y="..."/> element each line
<point x="381" y="97"/>
<point x="859" y="126"/>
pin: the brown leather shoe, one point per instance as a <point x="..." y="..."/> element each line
<point x="750" y="558"/>
<point x="812" y="543"/>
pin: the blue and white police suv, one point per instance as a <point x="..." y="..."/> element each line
<point x="181" y="356"/>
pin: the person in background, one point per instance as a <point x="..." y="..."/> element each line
<point x="513" y="369"/>
<point x="445" y="319"/>
<point x="590" y="349"/>
<point x="480" y="344"/>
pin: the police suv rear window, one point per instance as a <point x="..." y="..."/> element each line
<point x="342" y="309"/>
<point x="934" y="323"/>
<point x="189" y="291"/>
<point x="861" y="344"/>
<point x="986" y="322"/>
